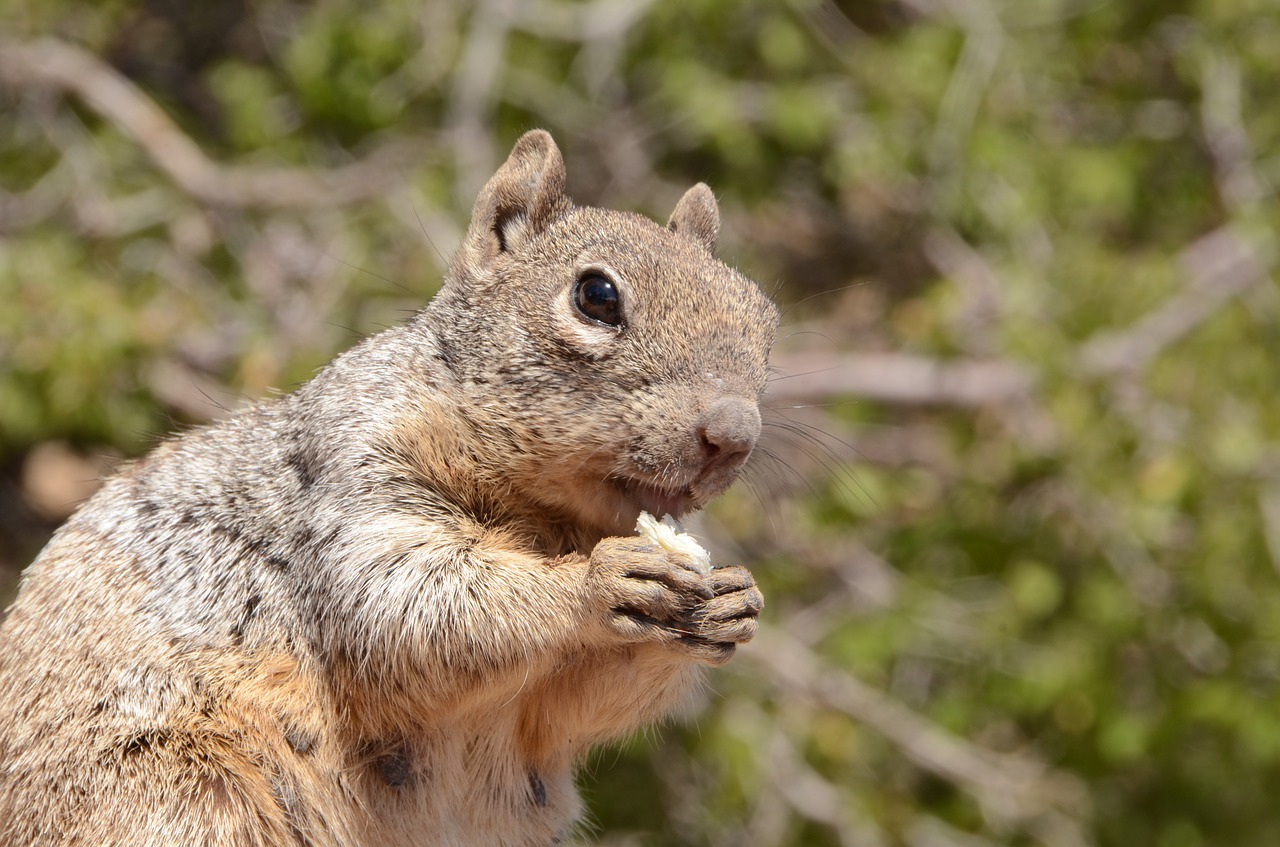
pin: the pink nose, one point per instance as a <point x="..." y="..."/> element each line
<point x="728" y="430"/>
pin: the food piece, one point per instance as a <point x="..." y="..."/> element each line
<point x="668" y="535"/>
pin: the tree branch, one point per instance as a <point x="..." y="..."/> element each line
<point x="50" y="63"/>
<point x="898" y="378"/>
<point x="1222" y="265"/>
<point x="1013" y="789"/>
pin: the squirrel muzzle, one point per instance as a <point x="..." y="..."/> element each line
<point x="728" y="431"/>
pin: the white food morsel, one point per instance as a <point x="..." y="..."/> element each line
<point x="667" y="534"/>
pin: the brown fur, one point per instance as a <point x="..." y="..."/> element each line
<point x="398" y="605"/>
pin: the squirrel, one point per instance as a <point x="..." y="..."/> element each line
<point x="398" y="605"/>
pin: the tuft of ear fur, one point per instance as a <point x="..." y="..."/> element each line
<point x="697" y="216"/>
<point x="522" y="198"/>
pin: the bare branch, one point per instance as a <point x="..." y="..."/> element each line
<point x="812" y="796"/>
<point x="1269" y="506"/>
<point x="952" y="256"/>
<point x="898" y="378"/>
<point x="602" y="19"/>
<point x="51" y="63"/>
<point x="970" y="79"/>
<point x="1221" y="110"/>
<point x="475" y="80"/>
<point x="1012" y="789"/>
<point x="1222" y="265"/>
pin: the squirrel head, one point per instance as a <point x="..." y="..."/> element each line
<point x="607" y="364"/>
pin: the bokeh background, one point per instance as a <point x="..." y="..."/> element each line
<point x="1017" y="512"/>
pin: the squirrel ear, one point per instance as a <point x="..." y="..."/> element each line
<point x="697" y="216"/>
<point x="523" y="197"/>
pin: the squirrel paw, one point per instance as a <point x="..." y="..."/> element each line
<point x="655" y="595"/>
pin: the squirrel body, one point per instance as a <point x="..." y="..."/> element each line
<point x="398" y="605"/>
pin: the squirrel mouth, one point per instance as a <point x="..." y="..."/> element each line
<point x="656" y="500"/>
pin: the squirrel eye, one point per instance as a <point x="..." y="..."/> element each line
<point x="597" y="298"/>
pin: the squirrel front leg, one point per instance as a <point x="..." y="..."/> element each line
<point x="467" y="617"/>
<point x="660" y="621"/>
<point x="658" y="596"/>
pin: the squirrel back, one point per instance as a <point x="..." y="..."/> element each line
<point x="399" y="604"/>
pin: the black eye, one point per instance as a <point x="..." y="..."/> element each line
<point x="597" y="299"/>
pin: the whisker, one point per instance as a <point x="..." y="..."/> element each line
<point x="790" y="306"/>
<point x="764" y="507"/>
<point x="832" y="404"/>
<point x="836" y="466"/>
<point x="801" y="332"/>
<point x="810" y="429"/>
<point x="808" y="483"/>
<point x="774" y="379"/>
<point x="359" y="269"/>
<point x="444" y="263"/>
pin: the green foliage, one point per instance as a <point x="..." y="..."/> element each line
<point x="1085" y="579"/>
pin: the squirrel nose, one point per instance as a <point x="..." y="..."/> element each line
<point x="728" y="430"/>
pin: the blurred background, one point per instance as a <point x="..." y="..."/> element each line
<point x="1017" y="513"/>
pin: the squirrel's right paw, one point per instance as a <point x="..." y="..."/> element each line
<point x="651" y="594"/>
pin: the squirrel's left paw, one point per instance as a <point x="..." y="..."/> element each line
<point x="728" y="619"/>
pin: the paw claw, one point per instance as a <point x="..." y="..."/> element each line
<point x="655" y="595"/>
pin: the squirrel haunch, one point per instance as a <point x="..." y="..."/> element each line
<point x="398" y="605"/>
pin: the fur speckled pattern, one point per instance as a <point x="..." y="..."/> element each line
<point x="398" y="605"/>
